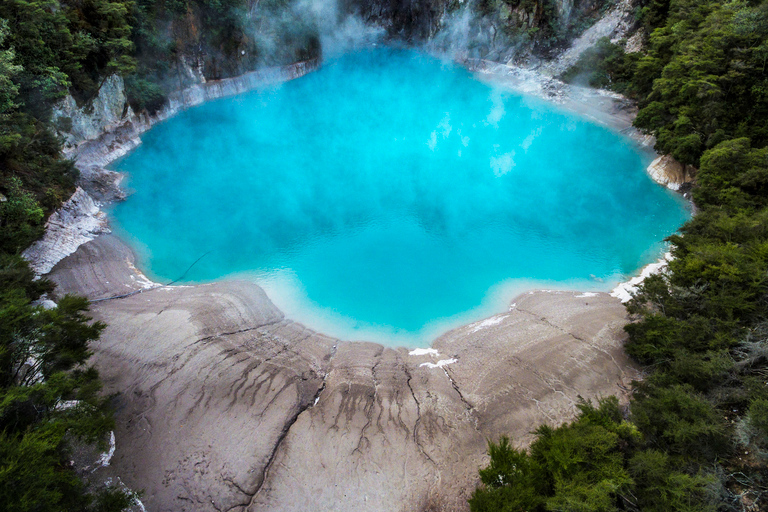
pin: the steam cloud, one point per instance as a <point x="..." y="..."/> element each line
<point x="463" y="33"/>
<point x="272" y="27"/>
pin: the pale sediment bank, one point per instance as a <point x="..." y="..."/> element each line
<point x="224" y="404"/>
<point x="626" y="290"/>
<point x="604" y="107"/>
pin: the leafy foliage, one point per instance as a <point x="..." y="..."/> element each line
<point x="702" y="79"/>
<point x="604" y="65"/>
<point x="49" y="398"/>
<point x="702" y="411"/>
<point x="599" y="462"/>
<point x="22" y="218"/>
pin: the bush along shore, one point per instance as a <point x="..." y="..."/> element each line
<point x="50" y="406"/>
<point x="695" y="434"/>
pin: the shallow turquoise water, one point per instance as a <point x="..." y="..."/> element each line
<point x="389" y="196"/>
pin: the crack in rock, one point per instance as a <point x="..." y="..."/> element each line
<point x="239" y="331"/>
<point x="470" y="408"/>
<point x="546" y="321"/>
<point x="418" y="416"/>
<point x="250" y="496"/>
<point x="368" y="408"/>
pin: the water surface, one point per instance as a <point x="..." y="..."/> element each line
<point x="390" y="195"/>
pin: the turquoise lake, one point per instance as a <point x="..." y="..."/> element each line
<point x="390" y="196"/>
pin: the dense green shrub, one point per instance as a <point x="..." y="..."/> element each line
<point x="605" y="65"/>
<point x="21" y="218"/>
<point x="578" y="466"/>
<point x="48" y="395"/>
<point x="42" y="368"/>
<point x="144" y="95"/>
<point x="701" y="79"/>
<point x="661" y="487"/>
<point x="601" y="462"/>
<point x="701" y="413"/>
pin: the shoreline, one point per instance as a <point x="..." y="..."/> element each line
<point x="249" y="390"/>
<point x="603" y="107"/>
<point x="82" y="219"/>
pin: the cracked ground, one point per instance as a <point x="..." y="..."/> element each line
<point x="225" y="405"/>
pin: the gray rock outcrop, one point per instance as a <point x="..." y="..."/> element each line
<point x="101" y="114"/>
<point x="79" y="220"/>
<point x="101" y="137"/>
<point x="667" y="171"/>
<point x="616" y="24"/>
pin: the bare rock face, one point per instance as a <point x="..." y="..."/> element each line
<point x="99" y="135"/>
<point x="667" y="171"/>
<point x="530" y="365"/>
<point x="224" y="404"/>
<point x="101" y="114"/>
<point x="79" y="220"/>
<point x="634" y="43"/>
<point x="116" y="141"/>
<point x="412" y="20"/>
<point x="616" y="24"/>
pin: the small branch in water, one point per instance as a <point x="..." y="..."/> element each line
<point x="188" y="269"/>
<point x="136" y="292"/>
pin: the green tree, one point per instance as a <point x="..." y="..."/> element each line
<point x="21" y="218"/>
<point x="661" y="487"/>
<point x="575" y="467"/>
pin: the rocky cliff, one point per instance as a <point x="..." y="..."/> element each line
<point x="667" y="171"/>
<point x="101" y="114"/>
<point x="411" y="20"/>
<point x="490" y="29"/>
<point x="617" y="23"/>
<point x="106" y="128"/>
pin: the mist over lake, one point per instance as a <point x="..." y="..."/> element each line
<point x="390" y="195"/>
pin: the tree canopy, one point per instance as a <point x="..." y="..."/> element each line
<point x="700" y="327"/>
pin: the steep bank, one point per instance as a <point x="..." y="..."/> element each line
<point x="601" y="106"/>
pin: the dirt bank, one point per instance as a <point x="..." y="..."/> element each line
<point x="224" y="404"/>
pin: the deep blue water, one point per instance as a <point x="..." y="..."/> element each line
<point x="390" y="195"/>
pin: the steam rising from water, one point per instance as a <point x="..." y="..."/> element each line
<point x="462" y="33"/>
<point x="465" y="33"/>
<point x="389" y="196"/>
<point x="338" y="31"/>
